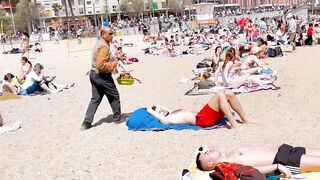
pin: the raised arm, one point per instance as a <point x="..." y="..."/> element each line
<point x="161" y="118"/>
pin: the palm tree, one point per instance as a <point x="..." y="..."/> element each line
<point x="56" y="8"/>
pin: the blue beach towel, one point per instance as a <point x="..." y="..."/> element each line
<point x="141" y="120"/>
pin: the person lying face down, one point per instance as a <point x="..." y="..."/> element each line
<point x="209" y="115"/>
<point x="296" y="159"/>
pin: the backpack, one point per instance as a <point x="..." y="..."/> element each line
<point x="202" y="65"/>
<point x="279" y="52"/>
<point x="233" y="171"/>
<point x="271" y="52"/>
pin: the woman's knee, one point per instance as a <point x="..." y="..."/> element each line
<point x="229" y="94"/>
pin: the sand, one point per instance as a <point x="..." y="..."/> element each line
<point x="50" y="145"/>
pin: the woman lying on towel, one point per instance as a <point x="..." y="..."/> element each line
<point x="286" y="159"/>
<point x="209" y="115"/>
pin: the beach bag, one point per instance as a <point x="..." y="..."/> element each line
<point x="133" y="60"/>
<point x="271" y="52"/>
<point x="233" y="171"/>
<point x="202" y="65"/>
<point x="279" y="52"/>
<point x="206" y="84"/>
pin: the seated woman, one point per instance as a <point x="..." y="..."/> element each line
<point x="36" y="80"/>
<point x="122" y="56"/>
<point x="11" y="83"/>
<point x="228" y="74"/>
<point x="26" y="67"/>
<point x="209" y="115"/>
<point x="216" y="57"/>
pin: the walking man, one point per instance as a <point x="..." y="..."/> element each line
<point x="292" y="30"/>
<point x="103" y="64"/>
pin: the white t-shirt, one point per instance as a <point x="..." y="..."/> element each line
<point x="292" y="25"/>
<point x="31" y="78"/>
<point x="279" y="35"/>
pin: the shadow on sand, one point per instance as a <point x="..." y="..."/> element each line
<point x="109" y="119"/>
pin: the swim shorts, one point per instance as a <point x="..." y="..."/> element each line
<point x="208" y="117"/>
<point x="289" y="156"/>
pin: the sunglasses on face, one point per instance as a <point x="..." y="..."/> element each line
<point x="110" y="34"/>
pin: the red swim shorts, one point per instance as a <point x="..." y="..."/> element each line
<point x="208" y="117"/>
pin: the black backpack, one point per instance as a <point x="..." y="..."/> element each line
<point x="279" y="52"/>
<point x="271" y="52"/>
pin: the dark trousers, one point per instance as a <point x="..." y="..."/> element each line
<point x="103" y="84"/>
<point x="309" y="40"/>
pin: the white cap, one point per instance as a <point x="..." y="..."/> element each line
<point x="5" y="72"/>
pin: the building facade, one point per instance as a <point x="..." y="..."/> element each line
<point x="79" y="7"/>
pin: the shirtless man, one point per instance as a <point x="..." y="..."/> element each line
<point x="209" y="115"/>
<point x="264" y="159"/>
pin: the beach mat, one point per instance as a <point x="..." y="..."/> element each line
<point x="141" y="120"/>
<point x="9" y="96"/>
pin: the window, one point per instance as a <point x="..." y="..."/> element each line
<point x="88" y="2"/>
<point x="114" y="8"/>
<point x="81" y="11"/>
<point x="80" y="1"/>
<point x="163" y="4"/>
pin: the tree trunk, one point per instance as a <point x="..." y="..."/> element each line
<point x="28" y="18"/>
<point x="71" y="10"/>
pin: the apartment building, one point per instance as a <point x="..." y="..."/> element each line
<point x="79" y="7"/>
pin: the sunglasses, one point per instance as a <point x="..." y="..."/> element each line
<point x="110" y="34"/>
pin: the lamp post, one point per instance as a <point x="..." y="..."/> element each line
<point x="95" y="16"/>
<point x="167" y="4"/>
<point x="84" y="11"/>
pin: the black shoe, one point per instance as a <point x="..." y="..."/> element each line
<point x="117" y="120"/>
<point x="85" y="125"/>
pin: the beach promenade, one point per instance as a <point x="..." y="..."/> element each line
<point x="50" y="145"/>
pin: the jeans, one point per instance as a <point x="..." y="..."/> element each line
<point x="281" y="42"/>
<point x="103" y="84"/>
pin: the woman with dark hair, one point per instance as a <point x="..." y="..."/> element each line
<point x="26" y="68"/>
<point x="25" y="44"/>
<point x="216" y="57"/>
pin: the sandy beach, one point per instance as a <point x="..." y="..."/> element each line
<point x="50" y="145"/>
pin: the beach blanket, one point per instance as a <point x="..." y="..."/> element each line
<point x="9" y="96"/>
<point x="5" y="129"/>
<point x="240" y="90"/>
<point x="141" y="120"/>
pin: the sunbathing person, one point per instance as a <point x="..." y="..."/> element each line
<point x="253" y="59"/>
<point x="297" y="159"/>
<point x="228" y="74"/>
<point x="209" y="115"/>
